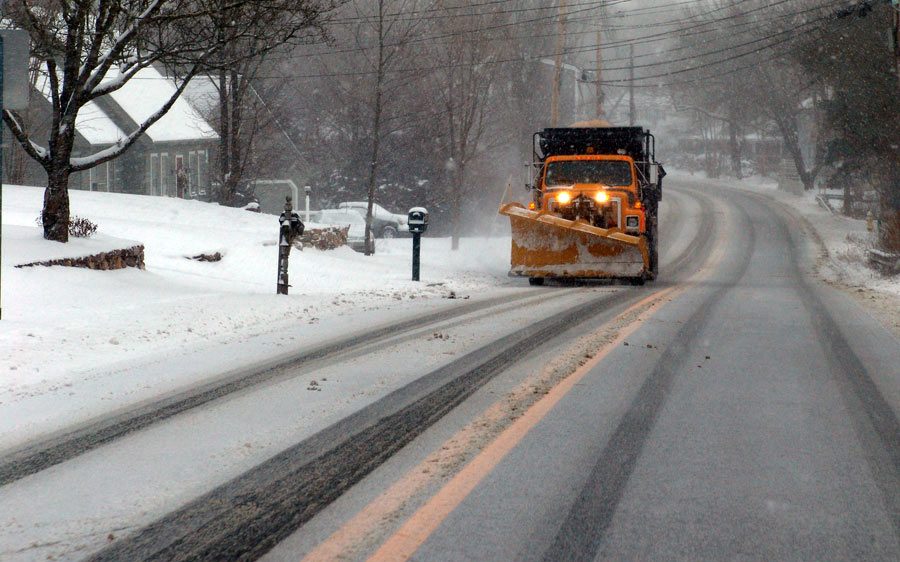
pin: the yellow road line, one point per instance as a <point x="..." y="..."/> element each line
<point x="366" y="522"/>
<point x="416" y="530"/>
<point x="406" y="540"/>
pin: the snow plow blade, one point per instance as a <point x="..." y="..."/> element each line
<point x="547" y="246"/>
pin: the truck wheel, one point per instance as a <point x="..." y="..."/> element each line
<point x="536" y="281"/>
<point x="654" y="251"/>
<point x="389" y="232"/>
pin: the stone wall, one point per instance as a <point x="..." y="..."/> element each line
<point x="327" y="238"/>
<point x="115" y="259"/>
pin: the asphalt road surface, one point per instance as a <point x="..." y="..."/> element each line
<point x="736" y="408"/>
<point x="749" y="413"/>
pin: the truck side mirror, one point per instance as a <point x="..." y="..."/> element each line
<point x="654" y="174"/>
<point x="418" y="220"/>
<point x="528" y="176"/>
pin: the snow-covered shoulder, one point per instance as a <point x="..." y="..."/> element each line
<point x="73" y="336"/>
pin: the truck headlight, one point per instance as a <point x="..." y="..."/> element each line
<point x="601" y="197"/>
<point x="563" y="198"/>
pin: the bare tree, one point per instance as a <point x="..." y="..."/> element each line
<point x="91" y="48"/>
<point x="243" y="113"/>
<point x="740" y="70"/>
<point x="463" y="87"/>
<point x="860" y="112"/>
<point x="390" y="28"/>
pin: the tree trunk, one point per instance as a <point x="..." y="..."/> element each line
<point x="889" y="197"/>
<point x="735" y="149"/>
<point x="376" y="132"/>
<point x="55" y="215"/>
<point x="224" y="138"/>
<point x="373" y="176"/>
<point x="456" y="214"/>
<point x="234" y="160"/>
<point x="791" y="138"/>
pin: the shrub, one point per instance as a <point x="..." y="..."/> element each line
<point x="79" y="227"/>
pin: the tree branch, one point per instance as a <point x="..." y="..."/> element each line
<point x="37" y="152"/>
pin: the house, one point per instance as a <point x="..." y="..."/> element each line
<point x="180" y="140"/>
<point x="275" y="167"/>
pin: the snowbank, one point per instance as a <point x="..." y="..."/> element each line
<point x="63" y="325"/>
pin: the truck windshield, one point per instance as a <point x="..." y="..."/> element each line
<point x="606" y="172"/>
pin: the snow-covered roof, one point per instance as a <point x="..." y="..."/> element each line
<point x="144" y="94"/>
<point x="92" y="123"/>
<point x="96" y="127"/>
<point x="203" y="94"/>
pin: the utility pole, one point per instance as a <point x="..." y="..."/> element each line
<point x="895" y="4"/>
<point x="632" y="111"/>
<point x="1" y="155"/>
<point x="600" y="113"/>
<point x="557" y="75"/>
<point x="15" y="46"/>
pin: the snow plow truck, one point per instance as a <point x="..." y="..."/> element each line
<point x="593" y="215"/>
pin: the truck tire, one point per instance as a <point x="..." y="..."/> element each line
<point x="654" y="250"/>
<point x="536" y="281"/>
<point x="389" y="232"/>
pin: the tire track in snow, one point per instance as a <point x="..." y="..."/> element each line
<point x="247" y="516"/>
<point x="65" y="445"/>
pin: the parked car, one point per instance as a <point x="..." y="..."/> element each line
<point x="356" y="236"/>
<point x="385" y="224"/>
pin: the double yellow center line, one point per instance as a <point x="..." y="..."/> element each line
<point x="404" y="542"/>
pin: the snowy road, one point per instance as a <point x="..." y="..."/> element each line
<point x="732" y="409"/>
<point x="752" y="415"/>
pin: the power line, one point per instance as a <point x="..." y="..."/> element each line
<point x="664" y="36"/>
<point x="724" y="49"/>
<point x="755" y="64"/>
<point x="453" y="12"/>
<point x="524" y="59"/>
<point x="613" y="82"/>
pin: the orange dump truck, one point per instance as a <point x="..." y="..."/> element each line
<point x="594" y="207"/>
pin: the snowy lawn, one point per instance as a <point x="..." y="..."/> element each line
<point x="70" y="335"/>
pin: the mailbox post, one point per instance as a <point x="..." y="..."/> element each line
<point x="290" y="227"/>
<point x="418" y="224"/>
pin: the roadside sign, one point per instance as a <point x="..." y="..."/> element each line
<point x="16" y="50"/>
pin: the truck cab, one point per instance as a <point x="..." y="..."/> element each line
<point x="602" y="190"/>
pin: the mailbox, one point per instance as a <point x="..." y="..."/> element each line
<point x="291" y="225"/>
<point x="418" y="220"/>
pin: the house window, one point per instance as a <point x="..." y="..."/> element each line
<point x="203" y="169"/>
<point x="193" y="172"/>
<point x="181" y="179"/>
<point x="154" y="174"/>
<point x="99" y="177"/>
<point x="164" y="174"/>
